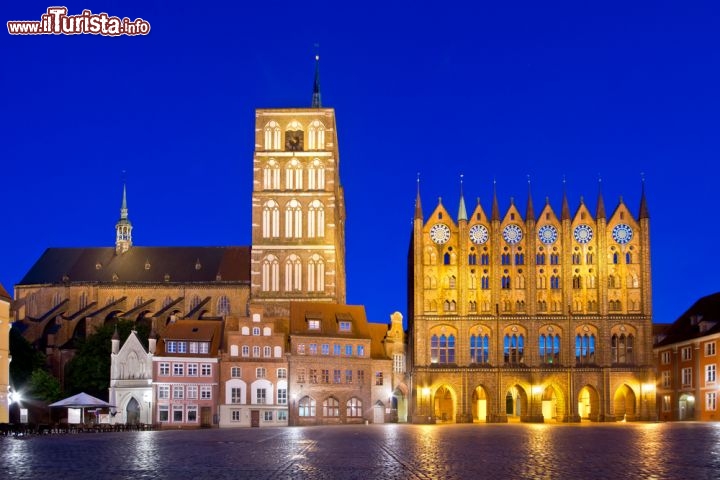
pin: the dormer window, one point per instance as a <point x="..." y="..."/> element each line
<point x="314" y="324"/>
<point x="345" y="326"/>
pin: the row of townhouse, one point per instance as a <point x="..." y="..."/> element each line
<point x="325" y="364"/>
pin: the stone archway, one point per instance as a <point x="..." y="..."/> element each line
<point x="479" y="404"/>
<point x="589" y="404"/>
<point x="132" y="412"/>
<point x="400" y="404"/>
<point x="552" y="404"/>
<point x="444" y="404"/>
<point x="624" y="404"/>
<point x="516" y="402"/>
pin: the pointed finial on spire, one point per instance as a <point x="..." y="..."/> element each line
<point x="644" y="212"/>
<point x="316" y="98"/>
<point x="530" y="211"/>
<point x="600" y="214"/>
<point x="565" y="212"/>
<point x="495" y="213"/>
<point x="462" y="212"/>
<point x="418" y="206"/>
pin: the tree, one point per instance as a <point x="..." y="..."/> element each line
<point x="89" y="369"/>
<point x="44" y="386"/>
<point x="25" y="360"/>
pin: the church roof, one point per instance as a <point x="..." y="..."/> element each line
<point x="700" y="320"/>
<point x="141" y="265"/>
<point x="3" y="293"/>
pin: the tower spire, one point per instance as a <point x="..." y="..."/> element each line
<point x="530" y="213"/>
<point x="316" y="99"/>
<point x="600" y="202"/>
<point x="462" y="212"/>
<point x="565" y="213"/>
<point x="495" y="213"/>
<point x="418" y="206"/>
<point x="644" y="213"/>
<point x="123" y="228"/>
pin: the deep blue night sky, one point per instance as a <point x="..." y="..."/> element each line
<point x="489" y="90"/>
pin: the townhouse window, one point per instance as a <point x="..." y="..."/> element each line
<point x="282" y="415"/>
<point x="709" y="349"/>
<point x="361" y="377"/>
<point x="193" y="347"/>
<point x="282" y="396"/>
<point x="204" y="347"/>
<point x="261" y="396"/>
<point x="344" y="326"/>
<point x="177" y="413"/>
<point x="182" y="347"/>
<point x="164" y="413"/>
<point x="710" y="374"/>
<point x="378" y="378"/>
<point x="325" y="375"/>
<point x="267" y="352"/>
<point x="361" y="350"/>
<point x="348" y="376"/>
<point x="236" y="395"/>
<point x="268" y="416"/>
<point x="178" y="392"/>
<point x="666" y="378"/>
<point x="163" y="392"/>
<point x="192" y="414"/>
<point x="686" y="353"/>
<point x="192" y="369"/>
<point x="301" y="349"/>
<point x="205" y="392"/>
<point x="314" y="324"/>
<point x="256" y="351"/>
<point x="235" y="415"/>
<point x="205" y="369"/>
<point x="337" y="349"/>
<point x="171" y="346"/>
<point x="325" y="349"/>
<point x="348" y="350"/>
<point x="192" y="392"/>
<point x="687" y="377"/>
<point x="665" y="358"/>
<point x="711" y="401"/>
<point x="301" y="375"/>
<point x="164" y="369"/>
<point x="260" y="372"/>
<point x="178" y="369"/>
<point x="245" y="351"/>
<point x="236" y="372"/>
<point x="282" y="373"/>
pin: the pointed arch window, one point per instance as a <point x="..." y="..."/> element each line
<point x="479" y="348"/>
<point x="485" y="259"/>
<point x="271" y="219"/>
<point x="442" y="349"/>
<point x="316" y="273"/>
<point x="472" y="306"/>
<point x="585" y="349"/>
<point x="83" y="300"/>
<point x="485" y="282"/>
<point x="316" y="219"/>
<point x="271" y="175"/>
<point x="540" y="259"/>
<point x="519" y="259"/>
<point x="621" y="349"/>
<point x="576" y="259"/>
<point x="270" y="274"/>
<point x="293" y="274"/>
<point x="549" y="349"/>
<point x="616" y="258"/>
<point x="272" y="136"/>
<point x="628" y="258"/>
<point x="472" y="259"/>
<point x="223" y="306"/>
<point x="520" y="281"/>
<point x="452" y="281"/>
<point x="542" y="306"/>
<point x="316" y="175"/>
<point x="294" y="175"/>
<point x="316" y="135"/>
<point x="514" y="349"/>
<point x="577" y="281"/>
<point x="554" y="259"/>
<point x="306" y="407"/>
<point x="542" y="281"/>
<point x="555" y="282"/>
<point x="293" y="219"/>
<point x="505" y="259"/>
<point x="505" y="282"/>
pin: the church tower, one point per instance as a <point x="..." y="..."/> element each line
<point x="298" y="208"/>
<point x="123" y="228"/>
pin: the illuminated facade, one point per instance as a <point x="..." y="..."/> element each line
<point x="531" y="317"/>
<point x="4" y="355"/>
<point x="687" y="359"/>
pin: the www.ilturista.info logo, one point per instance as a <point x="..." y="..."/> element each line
<point x="57" y="22"/>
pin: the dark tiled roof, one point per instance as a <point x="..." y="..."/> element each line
<point x="3" y="293"/>
<point x="700" y="320"/>
<point x="141" y="265"/>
